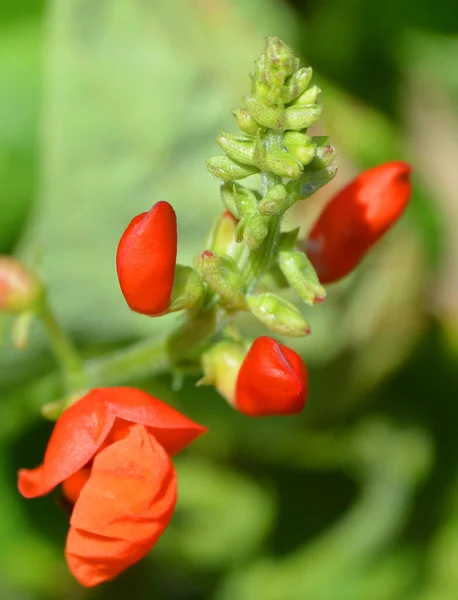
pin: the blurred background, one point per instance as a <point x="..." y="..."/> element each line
<point x="107" y="107"/>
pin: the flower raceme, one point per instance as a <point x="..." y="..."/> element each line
<point x="356" y="218"/>
<point x="270" y="379"/>
<point x="110" y="452"/>
<point x="146" y="259"/>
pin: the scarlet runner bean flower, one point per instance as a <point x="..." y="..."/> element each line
<point x="110" y="451"/>
<point x="271" y="379"/>
<point x="146" y="260"/>
<point x="356" y="218"/>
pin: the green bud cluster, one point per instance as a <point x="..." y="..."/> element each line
<point x="274" y="142"/>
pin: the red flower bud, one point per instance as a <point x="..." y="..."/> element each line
<point x="110" y="451"/>
<point x="20" y="290"/>
<point x="356" y="218"/>
<point x="146" y="259"/>
<point x="272" y="380"/>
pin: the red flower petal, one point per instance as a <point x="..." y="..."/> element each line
<point x="146" y="259"/>
<point x="84" y="426"/>
<point x="272" y="380"/>
<point x="356" y="218"/>
<point x="122" y="510"/>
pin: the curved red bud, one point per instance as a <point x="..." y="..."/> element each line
<point x="146" y="259"/>
<point x="356" y="218"/>
<point x="272" y="380"/>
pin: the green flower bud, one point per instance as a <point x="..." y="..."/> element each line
<point x="278" y="314"/>
<point x="301" y="276"/>
<point x="282" y="164"/>
<point x="300" y="145"/>
<point x="296" y="84"/>
<point x="221" y="365"/>
<point x="317" y="173"/>
<point x="301" y="117"/>
<point x="238" y="148"/>
<point x="245" y="200"/>
<point x="227" y="169"/>
<point x="275" y="202"/>
<point x="228" y="198"/>
<point x="188" y="289"/>
<point x="255" y="230"/>
<point x="325" y="153"/>
<point x="259" y="89"/>
<point x="245" y="121"/>
<point x="263" y="113"/>
<point x="307" y="97"/>
<point x="221" y="239"/>
<point x="279" y="62"/>
<point x="223" y="277"/>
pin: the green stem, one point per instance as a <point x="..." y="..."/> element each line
<point x="259" y="260"/>
<point x="152" y="357"/>
<point x="64" y="351"/>
<point x="148" y="357"/>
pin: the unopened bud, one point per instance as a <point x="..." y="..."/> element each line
<point x="300" y="145"/>
<point x="324" y="154"/>
<point x="318" y="172"/>
<point x="308" y="97"/>
<point x="275" y="202"/>
<point x="238" y="148"/>
<point x="20" y="289"/>
<point x="245" y="121"/>
<point x="223" y="277"/>
<point x="296" y="84"/>
<point x="255" y="230"/>
<point x="301" y="117"/>
<point x="228" y="198"/>
<point x="279" y="61"/>
<point x="278" y="314"/>
<point x="227" y="169"/>
<point x="221" y="365"/>
<point x="221" y="239"/>
<point x="263" y="113"/>
<point x="282" y="164"/>
<point x="301" y="276"/>
<point x="188" y="289"/>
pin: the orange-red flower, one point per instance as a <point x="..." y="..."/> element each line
<point x="356" y="218"/>
<point x="110" y="451"/>
<point x="146" y="259"/>
<point x="272" y="380"/>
